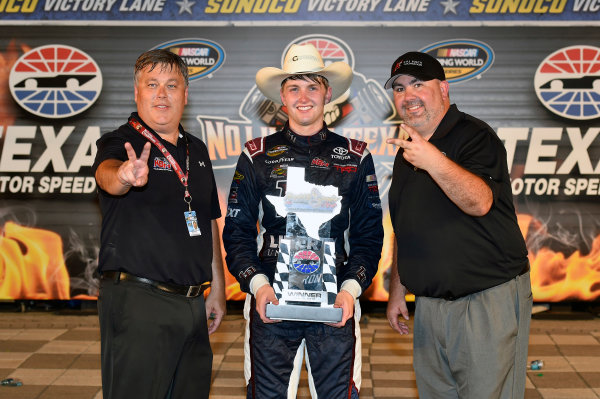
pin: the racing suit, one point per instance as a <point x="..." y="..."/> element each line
<point x="274" y="351"/>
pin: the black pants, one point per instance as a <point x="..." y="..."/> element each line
<point x="154" y="345"/>
<point x="276" y="351"/>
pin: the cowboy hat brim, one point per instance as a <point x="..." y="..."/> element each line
<point x="339" y="74"/>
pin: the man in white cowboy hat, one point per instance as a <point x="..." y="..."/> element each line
<point x="274" y="349"/>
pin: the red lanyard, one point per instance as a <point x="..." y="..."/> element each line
<point x="183" y="178"/>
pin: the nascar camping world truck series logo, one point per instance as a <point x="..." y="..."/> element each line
<point x="462" y="59"/>
<point x="202" y="57"/>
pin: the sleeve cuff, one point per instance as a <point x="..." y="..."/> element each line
<point x="352" y="287"/>
<point x="258" y="281"/>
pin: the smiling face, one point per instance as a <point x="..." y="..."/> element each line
<point x="161" y="96"/>
<point x="305" y="101"/>
<point x="422" y="105"/>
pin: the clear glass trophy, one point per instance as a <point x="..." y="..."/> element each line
<point x="305" y="281"/>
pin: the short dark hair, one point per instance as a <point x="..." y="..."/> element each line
<point x="314" y="77"/>
<point x="164" y="58"/>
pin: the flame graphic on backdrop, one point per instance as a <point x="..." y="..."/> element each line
<point x="555" y="277"/>
<point x="32" y="266"/>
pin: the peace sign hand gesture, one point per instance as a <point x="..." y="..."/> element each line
<point x="134" y="171"/>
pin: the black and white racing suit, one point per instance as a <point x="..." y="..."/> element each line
<point x="274" y="351"/>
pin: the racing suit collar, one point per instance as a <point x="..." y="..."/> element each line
<point x="305" y="141"/>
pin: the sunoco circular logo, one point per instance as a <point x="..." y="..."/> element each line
<point x="567" y="82"/>
<point x="306" y="261"/>
<point x="55" y="81"/>
<point x="462" y="59"/>
<point x="201" y="56"/>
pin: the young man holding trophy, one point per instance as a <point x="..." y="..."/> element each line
<point x="314" y="195"/>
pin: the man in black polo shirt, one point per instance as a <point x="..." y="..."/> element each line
<point x="459" y="247"/>
<point x="159" y="234"/>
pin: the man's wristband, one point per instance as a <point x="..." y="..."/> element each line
<point x="352" y="287"/>
<point x="256" y="282"/>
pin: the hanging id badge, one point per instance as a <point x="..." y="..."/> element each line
<point x="190" y="219"/>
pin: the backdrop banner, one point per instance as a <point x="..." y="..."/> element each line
<point x="301" y="12"/>
<point x="536" y="84"/>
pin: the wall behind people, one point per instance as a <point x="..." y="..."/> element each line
<point x="534" y="77"/>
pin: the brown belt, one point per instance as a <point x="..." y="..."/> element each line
<point x="185" y="290"/>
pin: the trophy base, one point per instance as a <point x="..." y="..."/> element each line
<point x="304" y="313"/>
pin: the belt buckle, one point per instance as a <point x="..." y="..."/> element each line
<point x="194" y="290"/>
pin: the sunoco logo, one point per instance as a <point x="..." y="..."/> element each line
<point x="567" y="82"/>
<point x="201" y="56"/>
<point x="462" y="59"/>
<point x="55" y="81"/>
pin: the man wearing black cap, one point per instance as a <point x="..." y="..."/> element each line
<point x="459" y="247"/>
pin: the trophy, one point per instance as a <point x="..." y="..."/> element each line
<point x="305" y="280"/>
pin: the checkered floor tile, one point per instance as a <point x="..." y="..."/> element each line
<point x="59" y="357"/>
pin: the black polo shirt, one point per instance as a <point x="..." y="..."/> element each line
<point x="442" y="251"/>
<point x="144" y="232"/>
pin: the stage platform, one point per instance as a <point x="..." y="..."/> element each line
<point x="56" y="355"/>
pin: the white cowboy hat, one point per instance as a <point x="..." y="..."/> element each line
<point x="301" y="60"/>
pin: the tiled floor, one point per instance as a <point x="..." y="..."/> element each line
<point x="57" y="356"/>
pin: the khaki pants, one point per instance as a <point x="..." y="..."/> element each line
<point x="474" y="347"/>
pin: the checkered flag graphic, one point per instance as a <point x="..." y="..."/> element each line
<point x="329" y="272"/>
<point x="282" y="272"/>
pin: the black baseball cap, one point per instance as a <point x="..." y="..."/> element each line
<point x="420" y="65"/>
